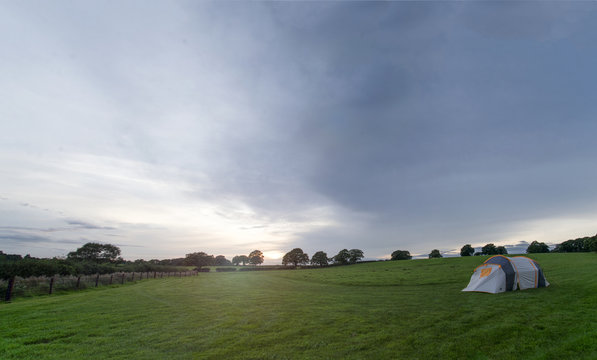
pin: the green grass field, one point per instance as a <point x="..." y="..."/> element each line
<point x="386" y="310"/>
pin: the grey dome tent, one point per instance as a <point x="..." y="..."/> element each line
<point x="500" y="273"/>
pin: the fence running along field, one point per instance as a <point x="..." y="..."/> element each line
<point x="43" y="285"/>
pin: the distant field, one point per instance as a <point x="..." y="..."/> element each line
<point x="387" y="310"/>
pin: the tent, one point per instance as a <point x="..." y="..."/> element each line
<point x="500" y="273"/>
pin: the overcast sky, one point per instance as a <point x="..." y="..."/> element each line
<point x="169" y="127"/>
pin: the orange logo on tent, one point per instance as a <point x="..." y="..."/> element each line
<point x="485" y="272"/>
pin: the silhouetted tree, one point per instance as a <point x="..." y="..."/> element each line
<point x="319" y="258"/>
<point x="584" y="244"/>
<point x="199" y="259"/>
<point x="256" y="257"/>
<point x="501" y="250"/>
<point x="240" y="259"/>
<point x="537" y="247"/>
<point x="95" y="252"/>
<point x="489" y="249"/>
<point x="355" y="255"/>
<point x="401" y="255"/>
<point x="435" y="254"/>
<point x="341" y="257"/>
<point x="295" y="256"/>
<point x="467" y="250"/>
<point x="221" y="260"/>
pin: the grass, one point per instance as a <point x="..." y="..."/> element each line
<point x="387" y="310"/>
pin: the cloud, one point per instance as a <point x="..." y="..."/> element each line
<point x="381" y="126"/>
<point x="85" y="225"/>
<point x="17" y="237"/>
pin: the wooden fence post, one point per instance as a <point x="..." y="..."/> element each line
<point x="122" y="280"/>
<point x="11" y="284"/>
<point x="111" y="276"/>
<point x="141" y="276"/>
<point x="97" y="280"/>
<point x="51" y="284"/>
<point x="133" y="277"/>
<point x="155" y="274"/>
<point x="78" y="281"/>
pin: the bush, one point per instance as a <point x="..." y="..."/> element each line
<point x="225" y="269"/>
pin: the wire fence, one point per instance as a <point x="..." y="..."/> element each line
<point x="43" y="285"/>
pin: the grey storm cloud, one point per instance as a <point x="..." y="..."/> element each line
<point x="412" y="125"/>
<point x="400" y="119"/>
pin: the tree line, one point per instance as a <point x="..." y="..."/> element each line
<point x="91" y="258"/>
<point x="584" y="244"/>
<point x="297" y="257"/>
<point x="95" y="258"/>
<point x="294" y="257"/>
<point x="201" y="259"/>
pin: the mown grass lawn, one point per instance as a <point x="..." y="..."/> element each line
<point x="387" y="310"/>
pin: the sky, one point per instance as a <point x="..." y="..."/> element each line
<point x="171" y="127"/>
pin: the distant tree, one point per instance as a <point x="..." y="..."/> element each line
<point x="489" y="249"/>
<point x="95" y="252"/>
<point x="435" y="254"/>
<point x="467" y="250"/>
<point x="199" y="259"/>
<point x="501" y="250"/>
<point x="244" y="259"/>
<point x="319" y="258"/>
<point x="537" y="247"/>
<point x="256" y="257"/>
<point x="590" y="243"/>
<point x="569" y="246"/>
<point x="12" y="257"/>
<point x="584" y="244"/>
<point x="401" y="255"/>
<point x="478" y="253"/>
<point x="173" y="262"/>
<point x="342" y="257"/>
<point x="295" y="256"/>
<point x="355" y="255"/>
<point x="221" y="260"/>
<point x="236" y="260"/>
<point x="593" y="245"/>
